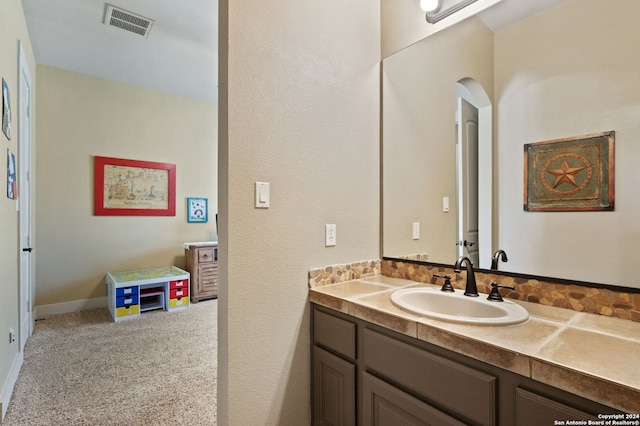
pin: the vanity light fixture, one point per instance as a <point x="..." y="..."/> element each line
<point x="429" y="5"/>
<point x="443" y="8"/>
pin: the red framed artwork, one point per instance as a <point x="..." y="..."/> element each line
<point x="133" y="188"/>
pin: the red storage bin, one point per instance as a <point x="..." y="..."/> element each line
<point x="176" y="293"/>
<point x="179" y="284"/>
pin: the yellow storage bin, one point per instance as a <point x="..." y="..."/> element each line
<point x="178" y="303"/>
<point x="124" y="311"/>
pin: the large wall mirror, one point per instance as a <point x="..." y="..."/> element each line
<point x="565" y="71"/>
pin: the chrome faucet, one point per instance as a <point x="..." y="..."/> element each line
<point x="498" y="255"/>
<point x="470" y="289"/>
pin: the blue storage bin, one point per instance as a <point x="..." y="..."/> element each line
<point x="126" y="291"/>
<point x="126" y="300"/>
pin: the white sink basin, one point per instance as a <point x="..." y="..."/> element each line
<point x="456" y="307"/>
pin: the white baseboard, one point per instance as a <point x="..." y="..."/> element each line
<point x="7" y="387"/>
<point x="42" y="311"/>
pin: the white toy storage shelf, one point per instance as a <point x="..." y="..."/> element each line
<point x="133" y="292"/>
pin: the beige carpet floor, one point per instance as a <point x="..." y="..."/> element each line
<point x="82" y="368"/>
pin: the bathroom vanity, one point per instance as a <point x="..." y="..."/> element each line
<point x="376" y="364"/>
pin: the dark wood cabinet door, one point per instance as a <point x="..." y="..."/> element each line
<point x="385" y="405"/>
<point x="333" y="390"/>
<point x="534" y="410"/>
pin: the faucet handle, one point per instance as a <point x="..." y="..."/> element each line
<point x="495" y="295"/>
<point x="446" y="287"/>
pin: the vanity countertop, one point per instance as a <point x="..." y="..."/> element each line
<point x="586" y="354"/>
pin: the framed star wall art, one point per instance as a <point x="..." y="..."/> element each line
<point x="570" y="174"/>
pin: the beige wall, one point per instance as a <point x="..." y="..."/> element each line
<point x="12" y="29"/>
<point x="404" y="22"/>
<point x="80" y="117"/>
<point x="419" y="142"/>
<point x="299" y="100"/>
<point x="551" y="85"/>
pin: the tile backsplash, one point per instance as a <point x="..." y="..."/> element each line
<point x="596" y="300"/>
<point x="340" y="273"/>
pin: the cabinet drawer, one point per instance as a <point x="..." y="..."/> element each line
<point x="176" y="303"/>
<point x="126" y="291"/>
<point x="176" y="293"/>
<point x="445" y="384"/>
<point x="179" y="284"/>
<point x="384" y="405"/>
<point x="335" y="333"/>
<point x="127" y="311"/>
<point x="126" y="300"/>
<point x="206" y="255"/>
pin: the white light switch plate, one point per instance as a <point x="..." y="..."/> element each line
<point x="416" y="230"/>
<point x="262" y="195"/>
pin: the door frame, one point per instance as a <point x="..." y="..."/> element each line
<point x="26" y="219"/>
<point x="467" y="167"/>
<point x="472" y="91"/>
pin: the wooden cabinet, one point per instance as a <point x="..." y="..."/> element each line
<point x="334" y="371"/>
<point x="334" y="390"/>
<point x="436" y="379"/>
<point x="364" y="374"/>
<point x="383" y="404"/>
<point x="533" y="410"/>
<point x="202" y="264"/>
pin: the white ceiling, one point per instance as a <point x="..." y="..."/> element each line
<point x="180" y="54"/>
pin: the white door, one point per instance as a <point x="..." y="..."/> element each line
<point x="467" y="184"/>
<point x="24" y="203"/>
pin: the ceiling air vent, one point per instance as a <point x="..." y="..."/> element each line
<point x="128" y="21"/>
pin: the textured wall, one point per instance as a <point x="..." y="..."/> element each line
<point x="299" y="101"/>
<point x="12" y="29"/>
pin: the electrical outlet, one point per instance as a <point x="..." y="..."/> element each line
<point x="416" y="230"/>
<point x="12" y="336"/>
<point x="330" y="235"/>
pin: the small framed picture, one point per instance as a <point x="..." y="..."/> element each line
<point x="12" y="189"/>
<point x="6" y="110"/>
<point x="197" y="210"/>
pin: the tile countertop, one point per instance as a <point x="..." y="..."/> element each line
<point x="586" y="354"/>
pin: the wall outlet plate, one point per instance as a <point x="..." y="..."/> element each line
<point x="330" y="234"/>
